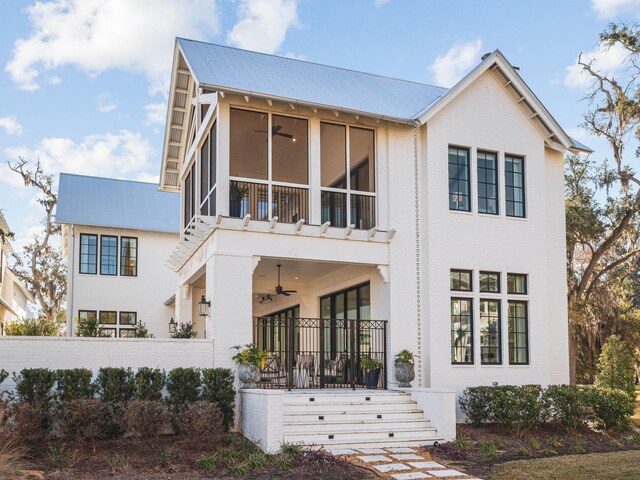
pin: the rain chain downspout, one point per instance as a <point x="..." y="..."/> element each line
<point x="416" y="168"/>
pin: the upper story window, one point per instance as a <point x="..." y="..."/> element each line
<point x="514" y="185"/>
<point x="517" y="283"/>
<point x="88" y="253"/>
<point x="128" y="256"/>
<point x="108" y="255"/>
<point x="269" y="166"/>
<point x="347" y="175"/>
<point x="490" y="282"/>
<point x="487" y="182"/>
<point x="208" y="172"/>
<point x="189" y="197"/>
<point x="460" y="280"/>
<point x="459" y="179"/>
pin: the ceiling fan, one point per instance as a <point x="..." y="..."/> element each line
<point x="275" y="130"/>
<point x="280" y="290"/>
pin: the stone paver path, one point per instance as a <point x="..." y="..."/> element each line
<point x="400" y="463"/>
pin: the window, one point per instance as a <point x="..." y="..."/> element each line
<point x="108" y="255"/>
<point x="459" y="181"/>
<point x="88" y="253"/>
<point x="460" y="280"/>
<point x="461" y="331"/>
<point x="489" y="282"/>
<point x="189" y="197"/>
<point x="490" y="344"/>
<point x="514" y="186"/>
<point x="518" y="333"/>
<point x="487" y="182"/>
<point x="86" y="315"/>
<point x="517" y="283"/>
<point x="128" y="256"/>
<point x="208" y="168"/>
<point x="112" y="324"/>
<point x="108" y="318"/>
<point x="347" y="198"/>
<point x="128" y="318"/>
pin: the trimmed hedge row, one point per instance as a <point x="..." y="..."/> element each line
<point x="121" y="385"/>
<point x="521" y="408"/>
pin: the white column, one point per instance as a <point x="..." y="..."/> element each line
<point x="315" y="172"/>
<point x="229" y="288"/>
<point x="184" y="305"/>
<point x="222" y="158"/>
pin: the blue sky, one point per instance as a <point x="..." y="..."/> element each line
<point x="83" y="83"/>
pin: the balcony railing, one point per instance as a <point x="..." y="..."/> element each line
<point x="289" y="204"/>
<point x="321" y="353"/>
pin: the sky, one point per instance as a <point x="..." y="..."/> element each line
<point x="84" y="83"/>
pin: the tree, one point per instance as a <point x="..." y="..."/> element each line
<point x="615" y="366"/>
<point x="602" y="237"/>
<point x="41" y="266"/>
<point x="33" y="327"/>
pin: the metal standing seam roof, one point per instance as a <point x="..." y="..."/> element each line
<point x="288" y="78"/>
<point x="107" y="202"/>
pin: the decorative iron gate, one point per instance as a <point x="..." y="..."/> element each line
<point x="322" y="353"/>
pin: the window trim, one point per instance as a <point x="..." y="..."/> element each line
<point x="487" y="272"/>
<point x="127" y="325"/>
<point x="469" y="180"/>
<point x="499" y="333"/>
<point x="526" y="284"/>
<point x="137" y="256"/>
<point x="524" y="185"/>
<point x="526" y="336"/>
<point x="471" y="330"/>
<point x="461" y="270"/>
<point x="80" y="254"/>
<point x="497" y="181"/>
<point x="117" y="251"/>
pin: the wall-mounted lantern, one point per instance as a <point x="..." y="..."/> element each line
<point x="203" y="307"/>
<point x="172" y="326"/>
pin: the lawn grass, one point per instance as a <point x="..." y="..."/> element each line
<point x="603" y="466"/>
<point x="636" y="416"/>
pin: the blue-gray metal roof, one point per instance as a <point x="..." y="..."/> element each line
<point x="580" y="145"/>
<point x="107" y="202"/>
<point x="287" y="78"/>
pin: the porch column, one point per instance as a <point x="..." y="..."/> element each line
<point x="184" y="305"/>
<point x="229" y="288"/>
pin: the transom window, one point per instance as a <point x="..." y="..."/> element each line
<point x="461" y="331"/>
<point x="517" y="283"/>
<point x="108" y="255"/>
<point x="269" y="166"/>
<point x="459" y="179"/>
<point x="128" y="256"/>
<point x="347" y="175"/>
<point x="487" y="182"/>
<point x="514" y="186"/>
<point x="490" y="337"/>
<point x="460" y="280"/>
<point x="88" y="253"/>
<point x="490" y="282"/>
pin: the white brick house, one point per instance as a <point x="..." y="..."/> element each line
<point x="115" y="236"/>
<point x="331" y="216"/>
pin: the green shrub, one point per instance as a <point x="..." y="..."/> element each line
<point x="61" y="456"/>
<point x="217" y="387"/>
<point x="146" y="418"/>
<point x="87" y="326"/>
<point x="616" y="366"/>
<point x="612" y="408"/>
<point x="115" y="384"/>
<point x="207" y="462"/>
<point x="81" y="419"/>
<point x="566" y="405"/>
<point x="184" y="330"/>
<point x="3" y="375"/>
<point x="183" y="385"/>
<point x="29" y="422"/>
<point x="74" y="383"/>
<point x="34" y="385"/>
<point x="201" y="420"/>
<point x="31" y="327"/>
<point x="167" y="455"/>
<point x="142" y="331"/>
<point x="149" y="383"/>
<point x="516" y="408"/>
<point x="488" y="449"/>
<point x="474" y="403"/>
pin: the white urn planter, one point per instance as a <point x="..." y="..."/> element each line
<point x="249" y="375"/>
<point x="405" y="373"/>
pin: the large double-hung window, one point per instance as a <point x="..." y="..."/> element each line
<point x="269" y="166"/>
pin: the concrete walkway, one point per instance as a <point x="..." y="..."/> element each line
<point x="402" y="463"/>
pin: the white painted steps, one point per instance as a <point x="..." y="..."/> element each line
<point x="364" y="419"/>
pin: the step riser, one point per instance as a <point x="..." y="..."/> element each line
<point x="379" y="444"/>
<point x="352" y="437"/>
<point x="345" y="398"/>
<point x="319" y="409"/>
<point x="312" y="419"/>
<point x="357" y="427"/>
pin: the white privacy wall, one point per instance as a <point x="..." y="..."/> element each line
<point x="483" y="117"/>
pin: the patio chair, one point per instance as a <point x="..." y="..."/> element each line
<point x="335" y="369"/>
<point x="305" y="370"/>
<point x="273" y="374"/>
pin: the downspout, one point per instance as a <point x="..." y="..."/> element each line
<point x="416" y="170"/>
<point x="71" y="252"/>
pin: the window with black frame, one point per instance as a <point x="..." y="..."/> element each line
<point x="128" y="256"/>
<point x="461" y="331"/>
<point x="108" y="255"/>
<point x="88" y="253"/>
<point x="459" y="179"/>
<point x="490" y="332"/>
<point x="487" y="182"/>
<point x="518" y="333"/>
<point x="514" y="186"/>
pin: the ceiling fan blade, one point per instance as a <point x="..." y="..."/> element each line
<point x="285" y="293"/>
<point x="286" y="135"/>
<point x="290" y="291"/>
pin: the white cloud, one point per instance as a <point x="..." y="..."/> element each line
<point x="105" y="105"/>
<point x="156" y="113"/>
<point x="262" y="24"/>
<point x="449" y="68"/>
<point x="611" y="8"/>
<point x="97" y="35"/>
<point x="296" y="56"/>
<point x="605" y="60"/>
<point x="120" y="155"/>
<point x="11" y="125"/>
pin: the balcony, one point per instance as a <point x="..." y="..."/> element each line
<point x="289" y="204"/>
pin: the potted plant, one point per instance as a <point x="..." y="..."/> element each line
<point x="250" y="360"/>
<point x="404" y="368"/>
<point x="371" y="368"/>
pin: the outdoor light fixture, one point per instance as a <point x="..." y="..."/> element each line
<point x="172" y="326"/>
<point x="203" y="307"/>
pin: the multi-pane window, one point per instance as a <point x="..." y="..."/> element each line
<point x="490" y="345"/>
<point x="347" y="175"/>
<point x="517" y="283"/>
<point x="88" y="253"/>
<point x="490" y="282"/>
<point x="107" y="324"/>
<point x="461" y="331"/>
<point x="487" y="182"/>
<point x="460" y="280"/>
<point x="514" y="186"/>
<point x="108" y="255"/>
<point x="459" y="179"/>
<point x="127" y="324"/>
<point x="112" y="324"/>
<point x="128" y="256"/>
<point x="87" y="315"/>
<point x="518" y="333"/>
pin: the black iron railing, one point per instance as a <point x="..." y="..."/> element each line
<point x="289" y="204"/>
<point x="363" y="211"/>
<point x="322" y="353"/>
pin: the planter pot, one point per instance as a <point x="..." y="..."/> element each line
<point x="404" y="374"/>
<point x="249" y="375"/>
<point x="371" y="378"/>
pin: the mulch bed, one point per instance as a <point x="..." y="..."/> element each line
<point x="546" y="441"/>
<point x="138" y="459"/>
